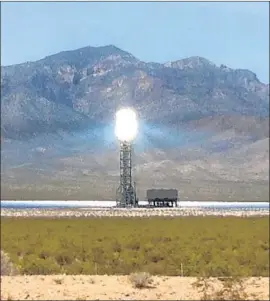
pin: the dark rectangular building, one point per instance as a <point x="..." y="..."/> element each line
<point x="162" y="197"/>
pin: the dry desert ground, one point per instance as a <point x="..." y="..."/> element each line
<point x="62" y="287"/>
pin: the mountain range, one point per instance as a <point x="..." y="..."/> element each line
<point x="204" y="129"/>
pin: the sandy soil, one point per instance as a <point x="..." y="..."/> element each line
<point x="59" y="287"/>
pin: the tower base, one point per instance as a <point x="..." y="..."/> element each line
<point x="126" y="199"/>
<point x="126" y="194"/>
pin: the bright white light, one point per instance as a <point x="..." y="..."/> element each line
<point x="126" y="125"/>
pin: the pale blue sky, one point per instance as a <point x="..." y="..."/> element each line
<point x="233" y="33"/>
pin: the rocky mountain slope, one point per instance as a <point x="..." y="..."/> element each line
<point x="71" y="89"/>
<point x="202" y="126"/>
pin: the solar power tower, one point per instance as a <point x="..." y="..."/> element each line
<point x="126" y="131"/>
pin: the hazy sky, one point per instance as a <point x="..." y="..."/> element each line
<point x="233" y="33"/>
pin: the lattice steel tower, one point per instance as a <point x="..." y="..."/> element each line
<point x="126" y="194"/>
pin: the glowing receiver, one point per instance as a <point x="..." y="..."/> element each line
<point x="126" y="126"/>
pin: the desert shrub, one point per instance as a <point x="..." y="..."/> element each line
<point x="232" y="288"/>
<point x="140" y="280"/>
<point x="64" y="258"/>
<point x="116" y="246"/>
<point x="155" y="256"/>
<point x="58" y="281"/>
<point x="134" y="245"/>
<point x="7" y="267"/>
<point x="32" y="265"/>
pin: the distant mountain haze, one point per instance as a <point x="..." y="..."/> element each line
<point x="204" y="129"/>
<point x="70" y="89"/>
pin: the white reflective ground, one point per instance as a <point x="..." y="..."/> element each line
<point x="92" y="204"/>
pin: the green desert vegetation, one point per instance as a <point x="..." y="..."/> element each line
<point x="190" y="246"/>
